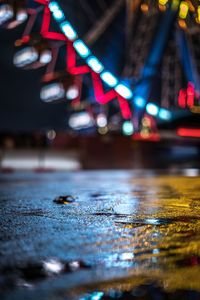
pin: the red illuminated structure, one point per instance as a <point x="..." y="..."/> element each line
<point x="101" y="96"/>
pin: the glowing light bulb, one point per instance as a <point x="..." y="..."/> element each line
<point x="68" y="30"/>
<point x="25" y="57"/>
<point x="95" y="64"/>
<point x="152" y="109"/>
<point x="52" y="92"/>
<point x="45" y="57"/>
<point x="128" y="128"/>
<point x="124" y="91"/>
<point x="101" y="120"/>
<point x="81" y="48"/>
<point x="72" y="92"/>
<point x="183" y="11"/>
<point x="108" y="78"/>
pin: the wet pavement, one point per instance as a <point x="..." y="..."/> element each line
<point x="110" y="235"/>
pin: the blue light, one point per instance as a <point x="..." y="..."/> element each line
<point x="108" y="78"/>
<point x="165" y="114"/>
<point x="81" y="48"/>
<point x="152" y="109"/>
<point x="139" y="101"/>
<point x="93" y="296"/>
<point x="53" y="6"/>
<point x="68" y="30"/>
<point x="124" y="91"/>
<point x="58" y="15"/>
<point x="57" y="12"/>
<point x="95" y="64"/>
<point x="127" y="128"/>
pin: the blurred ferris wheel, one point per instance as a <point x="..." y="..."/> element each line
<point x="145" y="54"/>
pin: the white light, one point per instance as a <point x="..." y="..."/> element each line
<point x="155" y="251"/>
<point x="81" y="120"/>
<point x="72" y="92"/>
<point x="95" y="64"/>
<point x="139" y="101"/>
<point x="152" y="109"/>
<point x="124" y="91"/>
<point x="128" y="128"/>
<point x="51" y="134"/>
<point x="152" y="221"/>
<point x="51" y="92"/>
<point x="69" y="31"/>
<point x="6" y="13"/>
<point x="45" y="57"/>
<point x="53" y="266"/>
<point x="164" y="114"/>
<point x="25" y="57"/>
<point x="108" y="78"/>
<point x="191" y="172"/>
<point x="21" y="16"/>
<point x="101" y="120"/>
<point x="127" y="256"/>
<point x="58" y="15"/>
<point x="81" y="48"/>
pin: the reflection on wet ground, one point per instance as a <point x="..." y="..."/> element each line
<point x="128" y="235"/>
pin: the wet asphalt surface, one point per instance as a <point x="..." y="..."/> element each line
<point x="99" y="235"/>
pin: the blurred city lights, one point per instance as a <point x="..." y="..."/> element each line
<point x="139" y="101"/>
<point x="68" y="30"/>
<point x="51" y="134"/>
<point x="95" y="64"/>
<point x="81" y="120"/>
<point x="72" y="92"/>
<point x="57" y="12"/>
<point x="124" y="91"/>
<point x="108" y="78"/>
<point x="163" y="2"/>
<point x="6" y="13"/>
<point x="184" y="8"/>
<point x="21" y="16"/>
<point x="101" y="120"/>
<point x="152" y="109"/>
<point x="25" y="57"/>
<point x="52" y="92"/>
<point x="164" y="114"/>
<point x="45" y="57"/>
<point x="189" y="132"/>
<point x="127" y="128"/>
<point x="81" y="48"/>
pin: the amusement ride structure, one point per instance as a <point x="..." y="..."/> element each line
<point x="120" y="64"/>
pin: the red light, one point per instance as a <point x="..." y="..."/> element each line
<point x="190" y="94"/>
<point x="182" y="98"/>
<point x="189" y="132"/>
<point x="153" y="137"/>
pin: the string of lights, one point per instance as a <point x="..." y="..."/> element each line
<point x="106" y="86"/>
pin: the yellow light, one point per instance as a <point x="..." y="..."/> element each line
<point x="198" y="14"/>
<point x="144" y="7"/>
<point x="175" y="4"/>
<point x="195" y="109"/>
<point x="191" y="6"/>
<point x="163" y="2"/>
<point x="103" y="130"/>
<point x="162" y="7"/>
<point x="182" y="24"/>
<point x="184" y="8"/>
